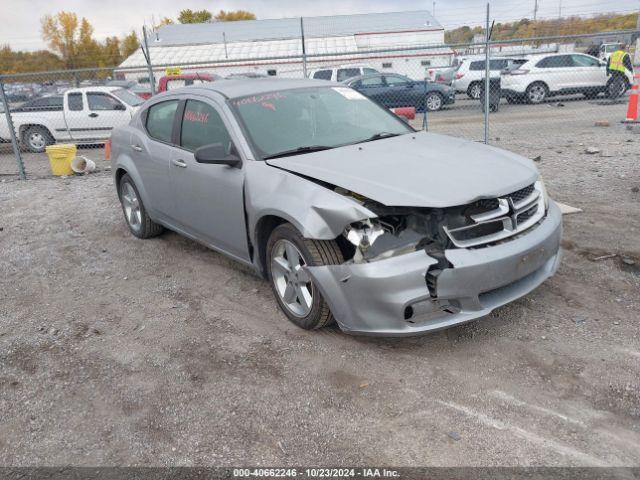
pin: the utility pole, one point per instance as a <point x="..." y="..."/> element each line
<point x="433" y="11"/>
<point x="535" y="11"/>
<point x="560" y="9"/>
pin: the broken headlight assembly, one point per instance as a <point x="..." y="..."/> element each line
<point x="543" y="191"/>
<point x="392" y="235"/>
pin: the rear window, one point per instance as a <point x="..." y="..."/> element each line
<point x="345" y="73"/>
<point x="497" y="64"/>
<point x="160" y="120"/>
<point x="74" y="102"/>
<point x="323" y="75"/>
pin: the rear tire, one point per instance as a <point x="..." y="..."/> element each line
<point x="37" y="139"/>
<point x="616" y="87"/>
<point x="300" y="300"/>
<point x="433" y="102"/>
<point x="138" y="221"/>
<point x="474" y="91"/>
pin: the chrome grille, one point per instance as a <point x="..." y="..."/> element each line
<point x="509" y="216"/>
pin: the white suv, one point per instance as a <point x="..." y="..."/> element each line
<point x="341" y="73"/>
<point x="560" y="74"/>
<point x="468" y="78"/>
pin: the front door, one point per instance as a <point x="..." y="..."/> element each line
<point x="209" y="200"/>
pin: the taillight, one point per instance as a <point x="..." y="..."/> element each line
<point x="459" y="76"/>
<point x="439" y="78"/>
<point x="519" y="71"/>
<point x="107" y="150"/>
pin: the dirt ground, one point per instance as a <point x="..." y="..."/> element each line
<point x="119" y="351"/>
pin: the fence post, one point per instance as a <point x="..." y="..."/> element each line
<point x="487" y="81"/>
<point x="425" y="123"/>
<point x="304" y="49"/>
<point x="12" y="132"/>
<point x="147" y="57"/>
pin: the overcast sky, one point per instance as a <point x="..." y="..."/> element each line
<point x="20" y="19"/>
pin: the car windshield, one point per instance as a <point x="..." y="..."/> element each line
<point x="304" y="120"/>
<point x="127" y="97"/>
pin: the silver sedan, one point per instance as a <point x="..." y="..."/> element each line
<point x="349" y="213"/>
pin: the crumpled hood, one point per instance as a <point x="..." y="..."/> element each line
<point x="418" y="170"/>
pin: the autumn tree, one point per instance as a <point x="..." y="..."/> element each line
<point x="129" y="44"/>
<point x="233" y="16"/>
<point x="198" y="16"/>
<point x="61" y="33"/>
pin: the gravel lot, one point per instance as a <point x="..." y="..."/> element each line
<point x="118" y="351"/>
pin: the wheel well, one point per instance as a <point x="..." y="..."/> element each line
<point x="264" y="227"/>
<point x="120" y="172"/>
<point x="27" y="126"/>
<point x="540" y="82"/>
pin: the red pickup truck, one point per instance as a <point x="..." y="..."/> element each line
<point x="178" y="81"/>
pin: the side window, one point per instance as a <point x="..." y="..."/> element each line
<point x="477" y="65"/>
<point x="584" y="61"/>
<point x="559" y="61"/>
<point x="372" y="82"/>
<point x="344" y="73"/>
<point x="160" y="120"/>
<point x="366" y="70"/>
<point x="75" y="102"/>
<point x="201" y="125"/>
<point x="323" y="74"/>
<point x="396" y="81"/>
<point x="102" y="101"/>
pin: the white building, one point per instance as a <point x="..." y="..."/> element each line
<point x="403" y="42"/>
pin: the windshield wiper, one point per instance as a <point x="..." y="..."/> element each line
<point x="298" y="151"/>
<point x="379" y="136"/>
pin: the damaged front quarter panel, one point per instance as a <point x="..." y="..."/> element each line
<point x="317" y="212"/>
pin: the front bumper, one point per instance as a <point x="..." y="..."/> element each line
<point x="376" y="298"/>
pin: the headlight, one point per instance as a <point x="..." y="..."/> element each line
<point x="543" y="191"/>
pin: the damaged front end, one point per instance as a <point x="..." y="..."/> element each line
<point x="412" y="270"/>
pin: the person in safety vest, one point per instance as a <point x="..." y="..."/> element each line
<point x="617" y="65"/>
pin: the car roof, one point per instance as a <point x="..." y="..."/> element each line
<point x="233" y="88"/>
<point x="95" y="89"/>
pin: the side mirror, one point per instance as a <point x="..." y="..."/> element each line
<point x="216" y="154"/>
<point x="119" y="106"/>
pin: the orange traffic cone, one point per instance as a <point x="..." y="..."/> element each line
<point x="632" y="109"/>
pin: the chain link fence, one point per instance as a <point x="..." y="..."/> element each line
<point x="540" y="92"/>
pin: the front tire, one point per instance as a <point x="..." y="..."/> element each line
<point x="537" y="93"/>
<point x="287" y="253"/>
<point x="138" y="221"/>
<point x="616" y="87"/>
<point x="37" y="139"/>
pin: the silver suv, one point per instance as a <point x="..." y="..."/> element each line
<point x="347" y="211"/>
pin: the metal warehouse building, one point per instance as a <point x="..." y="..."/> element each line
<point x="385" y="41"/>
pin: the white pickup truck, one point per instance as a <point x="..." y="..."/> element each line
<point x="81" y="115"/>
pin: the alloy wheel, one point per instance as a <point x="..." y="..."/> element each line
<point x="434" y="102"/>
<point x="537" y="93"/>
<point x="292" y="282"/>
<point x="131" y="206"/>
<point x="476" y="91"/>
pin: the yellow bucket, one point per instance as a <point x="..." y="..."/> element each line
<point x="60" y="157"/>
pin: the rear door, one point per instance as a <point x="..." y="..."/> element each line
<point x="209" y="198"/>
<point x="401" y="92"/>
<point x="152" y="149"/>
<point x="557" y="72"/>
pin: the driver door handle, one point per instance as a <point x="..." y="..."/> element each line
<point x="137" y="148"/>
<point x="179" y="163"/>
<point x="93" y="115"/>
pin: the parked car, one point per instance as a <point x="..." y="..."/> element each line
<point x="606" y="49"/>
<point x="561" y="73"/>
<point x="392" y="90"/>
<point x="345" y="209"/>
<point x="81" y="115"/>
<point x="469" y="76"/>
<point x="172" y="82"/>
<point x="341" y="73"/>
